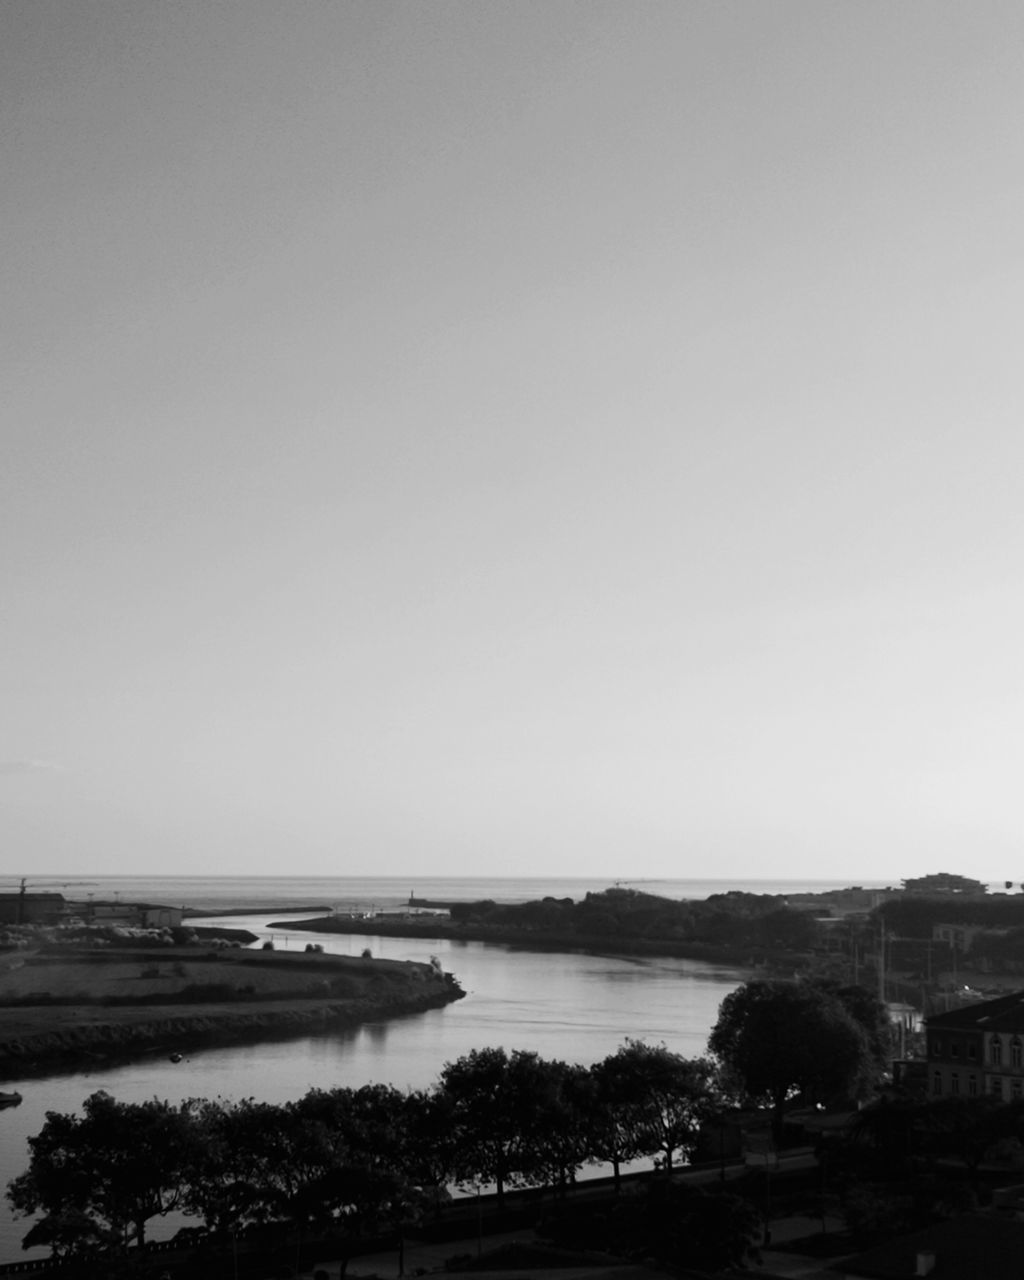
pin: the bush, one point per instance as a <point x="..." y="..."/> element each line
<point x="367" y="953"/>
<point x="268" y="945"/>
<point x="201" y="992"/>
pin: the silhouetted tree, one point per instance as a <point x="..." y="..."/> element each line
<point x="616" y="1133"/>
<point x="778" y="1039"/>
<point x="100" y="1177"/>
<point x="498" y="1102"/>
<point x="673" y="1096"/>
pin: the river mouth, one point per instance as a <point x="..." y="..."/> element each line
<point x="573" y="1007"/>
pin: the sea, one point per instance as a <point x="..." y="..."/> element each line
<point x="576" y="1007"/>
<point x="223" y="893"/>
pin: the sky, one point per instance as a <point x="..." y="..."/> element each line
<point x="568" y="438"/>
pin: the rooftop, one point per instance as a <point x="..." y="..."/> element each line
<point x="1004" y="1013"/>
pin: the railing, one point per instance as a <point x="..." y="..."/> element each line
<point x="40" y="1266"/>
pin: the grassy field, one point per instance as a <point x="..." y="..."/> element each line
<point x="66" y="1003"/>
<point x="151" y="975"/>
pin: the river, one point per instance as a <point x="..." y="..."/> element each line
<point x="573" y="1006"/>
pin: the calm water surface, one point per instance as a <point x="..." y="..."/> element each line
<point x="575" y="1007"/>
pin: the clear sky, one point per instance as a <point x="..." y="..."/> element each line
<point x="492" y="435"/>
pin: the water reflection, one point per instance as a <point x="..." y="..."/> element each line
<point x="575" y="1007"/>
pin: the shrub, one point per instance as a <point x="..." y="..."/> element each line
<point x="367" y="953"/>
<point x="268" y="945"/>
<point x="201" y="992"/>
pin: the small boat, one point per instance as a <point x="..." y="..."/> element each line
<point x="175" y="1057"/>
<point x="9" y="1099"/>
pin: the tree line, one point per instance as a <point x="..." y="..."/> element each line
<point x="734" y="919"/>
<point x="359" y="1161"/>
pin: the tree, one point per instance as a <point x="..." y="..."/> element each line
<point x="671" y="1095"/>
<point x="256" y="1165"/>
<point x="328" y="1162"/>
<point x="887" y="1128"/>
<point x="431" y="1146"/>
<point x="871" y="1013"/>
<point x="497" y="1106"/>
<point x="785" y="929"/>
<point x="565" y="1106"/>
<point x="100" y="1177"/>
<point x="224" y="1184"/>
<point x="779" y="1039"/>
<point x="368" y="1123"/>
<point x="616" y="1135"/>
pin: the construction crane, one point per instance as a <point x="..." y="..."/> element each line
<point x="25" y="884"/>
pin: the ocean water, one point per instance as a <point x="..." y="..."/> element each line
<point x="223" y="893"/>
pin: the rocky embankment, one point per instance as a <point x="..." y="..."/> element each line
<point x="41" y="1036"/>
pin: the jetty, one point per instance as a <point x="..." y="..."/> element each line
<point x="431" y="904"/>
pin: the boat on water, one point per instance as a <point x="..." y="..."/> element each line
<point x="9" y="1099"/>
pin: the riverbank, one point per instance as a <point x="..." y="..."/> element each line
<point x="61" y="1009"/>
<point x="541" y="940"/>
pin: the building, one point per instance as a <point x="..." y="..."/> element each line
<point x="978" y="1048"/>
<point x="156" y="917"/>
<point x="31" y="908"/>
<point x="140" y="915"/>
<point x="944" y="882"/>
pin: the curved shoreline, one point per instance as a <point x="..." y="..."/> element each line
<point x="590" y="944"/>
<point x="41" y="1037"/>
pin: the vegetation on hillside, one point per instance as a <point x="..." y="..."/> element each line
<point x="734" y="919"/>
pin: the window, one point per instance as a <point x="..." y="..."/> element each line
<point x="995" y="1086"/>
<point x="1017" y="1088"/>
<point x="972" y="1086"/>
<point x="937" y="1082"/>
<point x="937" y="1048"/>
<point x="954" y="1048"/>
<point x="972" y="1051"/>
<point x="954" y="1082"/>
<point x="1015" y="1058"/>
<point x="995" y="1051"/>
